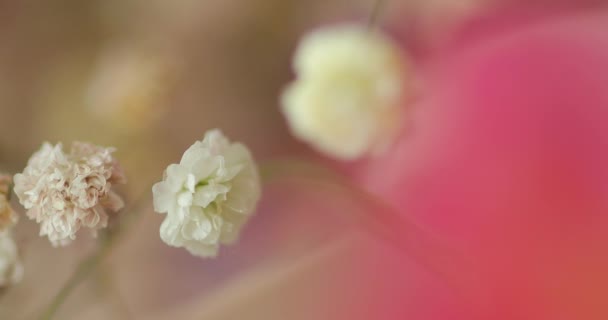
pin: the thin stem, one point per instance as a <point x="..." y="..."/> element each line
<point x="82" y="272"/>
<point x="108" y="288"/>
<point x="375" y="14"/>
<point x="90" y="264"/>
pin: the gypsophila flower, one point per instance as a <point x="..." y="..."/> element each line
<point x="346" y="98"/>
<point x="208" y="196"/>
<point x="11" y="269"/>
<point x="128" y="87"/>
<point x="8" y="217"/>
<point x="65" y="192"/>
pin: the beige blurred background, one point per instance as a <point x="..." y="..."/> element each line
<point x="150" y="77"/>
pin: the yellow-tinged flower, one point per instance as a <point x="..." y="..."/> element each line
<point x="8" y="217"/>
<point x="346" y="99"/>
<point x="128" y="88"/>
<point x="208" y="196"/>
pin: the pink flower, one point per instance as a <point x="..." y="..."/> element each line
<point x="508" y="160"/>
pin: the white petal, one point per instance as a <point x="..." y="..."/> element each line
<point x="198" y="227"/>
<point x="170" y="231"/>
<point x="176" y="176"/>
<point x="196" y="152"/>
<point x="163" y="197"/>
<point x="203" y="168"/>
<point x="202" y="249"/>
<point x="207" y="194"/>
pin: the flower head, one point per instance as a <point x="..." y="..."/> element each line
<point x="345" y="100"/>
<point x="128" y="88"/>
<point x="11" y="270"/>
<point x="509" y="163"/>
<point x="208" y="196"/>
<point x="64" y="192"/>
<point x="8" y="218"/>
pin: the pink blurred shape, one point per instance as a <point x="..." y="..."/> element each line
<point x="508" y="159"/>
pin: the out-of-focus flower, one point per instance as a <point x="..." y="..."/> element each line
<point x="128" y="88"/>
<point x="346" y="100"/>
<point x="64" y="192"/>
<point x="208" y="196"/>
<point x="8" y="217"/>
<point x="11" y="270"/>
<point x="509" y="163"/>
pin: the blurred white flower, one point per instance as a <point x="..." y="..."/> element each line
<point x="8" y="217"/>
<point x="128" y="88"/>
<point x="346" y="99"/>
<point x="208" y="196"/>
<point x="64" y="192"/>
<point x="11" y="270"/>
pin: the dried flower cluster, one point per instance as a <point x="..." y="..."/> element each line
<point x="208" y="196"/>
<point x="11" y="270"/>
<point x="8" y="217"/>
<point x="65" y="192"/>
<point x="346" y="99"/>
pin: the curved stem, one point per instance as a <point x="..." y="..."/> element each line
<point x="108" y="288"/>
<point x="80" y="274"/>
<point x="90" y="264"/>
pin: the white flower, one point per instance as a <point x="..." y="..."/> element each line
<point x="208" y="196"/>
<point x="128" y="88"/>
<point x="346" y="99"/>
<point x="11" y="270"/>
<point x="64" y="192"/>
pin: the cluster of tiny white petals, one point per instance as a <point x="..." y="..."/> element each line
<point x="208" y="196"/>
<point x="346" y="98"/>
<point x="11" y="269"/>
<point x="64" y="192"/>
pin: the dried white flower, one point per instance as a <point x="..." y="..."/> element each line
<point x="346" y="99"/>
<point x="64" y="192"/>
<point x="208" y="196"/>
<point x="11" y="270"/>
<point x="8" y="217"/>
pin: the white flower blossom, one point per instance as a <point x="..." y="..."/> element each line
<point x="128" y="87"/>
<point x="11" y="269"/>
<point x="208" y="196"/>
<point x="64" y="192"/>
<point x="346" y="98"/>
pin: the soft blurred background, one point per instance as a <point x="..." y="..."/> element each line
<point x="150" y="77"/>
